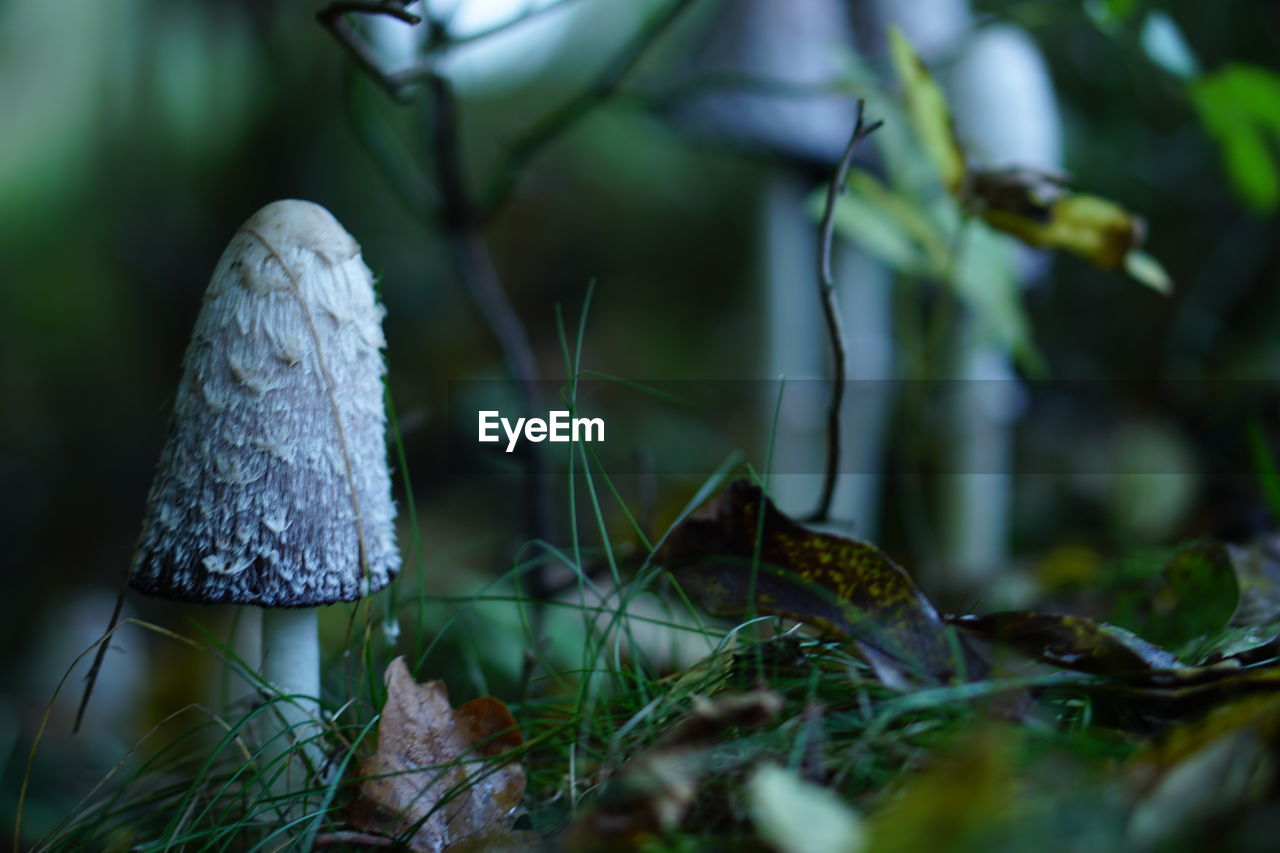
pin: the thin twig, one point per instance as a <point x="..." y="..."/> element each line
<point x="458" y="220"/>
<point x="827" y="292"/>
<point x="391" y="8"/>
<point x="458" y="214"/>
<point x="334" y="19"/>
<point x="92" y="678"/>
<point x="561" y="119"/>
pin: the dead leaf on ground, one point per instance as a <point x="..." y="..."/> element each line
<point x="656" y="789"/>
<point x="429" y="782"/>
<point x="1071" y="642"/>
<point x="842" y="587"/>
<point x="1200" y="771"/>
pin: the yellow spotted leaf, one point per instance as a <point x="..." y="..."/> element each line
<point x="842" y="587"/>
<point x="1072" y="642"/>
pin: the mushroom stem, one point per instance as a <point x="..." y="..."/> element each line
<point x="244" y="640"/>
<point x="291" y="664"/>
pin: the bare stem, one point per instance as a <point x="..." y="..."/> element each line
<point x="334" y="19"/>
<point x="460" y="222"/>
<point x="827" y="292"/>
<point x="92" y="678"/>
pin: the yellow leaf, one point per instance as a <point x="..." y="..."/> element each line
<point x="930" y="116"/>
<point x="1100" y="231"/>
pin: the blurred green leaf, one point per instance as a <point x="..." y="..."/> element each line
<point x="1239" y="106"/>
<point x="930" y="116"/>
<point x="1164" y="44"/>
<point x="796" y="816"/>
<point x="956" y="800"/>
<point x="1264" y="464"/>
<point x="1110" y="15"/>
<point x="1145" y="269"/>
<point x="985" y="279"/>
<point x="881" y="236"/>
<point x="887" y="226"/>
<point x="1121" y="9"/>
<point x="1187" y="595"/>
<point x="1199" y="593"/>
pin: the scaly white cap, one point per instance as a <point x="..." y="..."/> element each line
<point x="273" y="487"/>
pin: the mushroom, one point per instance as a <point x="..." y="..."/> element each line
<point x="273" y="488"/>
<point x="794" y="46"/>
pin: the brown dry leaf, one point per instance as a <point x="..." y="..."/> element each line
<point x="428" y="783"/>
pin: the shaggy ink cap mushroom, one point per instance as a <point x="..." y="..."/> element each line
<point x="273" y="487"/>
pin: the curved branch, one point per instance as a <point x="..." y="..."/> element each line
<point x="827" y="292"/>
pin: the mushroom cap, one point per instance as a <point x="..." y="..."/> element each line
<point x="273" y="487"/>
<point x="788" y="44"/>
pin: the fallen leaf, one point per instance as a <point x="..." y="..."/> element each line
<point x="1200" y="771"/>
<point x="429" y="782"/>
<point x="1071" y="642"/>
<point x="842" y="587"/>
<point x="1257" y="569"/>
<point x="655" y="789"/>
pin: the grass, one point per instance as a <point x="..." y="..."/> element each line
<point x="631" y="738"/>
<point x="604" y="695"/>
